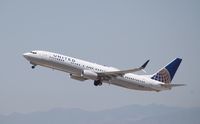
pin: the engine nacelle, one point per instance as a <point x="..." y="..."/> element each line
<point x="89" y="74"/>
<point x="77" y="77"/>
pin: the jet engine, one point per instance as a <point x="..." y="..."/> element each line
<point x="89" y="74"/>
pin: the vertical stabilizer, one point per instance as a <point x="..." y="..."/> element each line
<point x="167" y="73"/>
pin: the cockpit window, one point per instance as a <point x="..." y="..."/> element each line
<point x="33" y="52"/>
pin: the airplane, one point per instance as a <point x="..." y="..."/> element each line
<point x="83" y="70"/>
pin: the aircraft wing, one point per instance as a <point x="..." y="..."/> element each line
<point x="121" y="72"/>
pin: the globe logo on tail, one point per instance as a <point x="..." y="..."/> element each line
<point x="162" y="76"/>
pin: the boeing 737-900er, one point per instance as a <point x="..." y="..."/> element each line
<point x="82" y="70"/>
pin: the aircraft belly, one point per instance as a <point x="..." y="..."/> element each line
<point x="65" y="67"/>
<point x="119" y="81"/>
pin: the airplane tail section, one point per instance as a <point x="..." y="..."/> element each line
<point x="167" y="73"/>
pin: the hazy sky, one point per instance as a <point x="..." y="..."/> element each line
<point x="119" y="33"/>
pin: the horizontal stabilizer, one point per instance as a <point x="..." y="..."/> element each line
<point x="177" y="85"/>
<point x="172" y="85"/>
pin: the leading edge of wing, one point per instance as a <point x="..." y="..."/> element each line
<point x="122" y="72"/>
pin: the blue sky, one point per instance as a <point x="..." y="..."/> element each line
<point x="123" y="34"/>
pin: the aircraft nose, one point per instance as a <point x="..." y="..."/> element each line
<point x="26" y="55"/>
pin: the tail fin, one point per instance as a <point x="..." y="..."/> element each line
<point x="167" y="73"/>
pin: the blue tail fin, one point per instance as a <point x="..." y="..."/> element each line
<point x="167" y="73"/>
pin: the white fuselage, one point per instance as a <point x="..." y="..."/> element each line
<point x="75" y="67"/>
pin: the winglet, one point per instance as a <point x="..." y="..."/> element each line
<point x="145" y="64"/>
